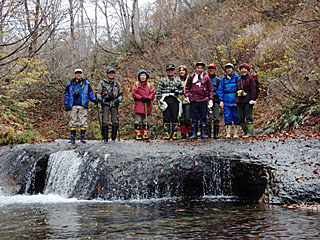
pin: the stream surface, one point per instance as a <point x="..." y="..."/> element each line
<point x="55" y="217"/>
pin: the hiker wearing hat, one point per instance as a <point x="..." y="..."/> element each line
<point x="246" y="98"/>
<point x="199" y="91"/>
<point x="214" y="112"/>
<point x="185" y="120"/>
<point x="227" y="96"/>
<point x="143" y="95"/>
<point x="168" y="92"/>
<point x="76" y="99"/>
<point x="109" y="95"/>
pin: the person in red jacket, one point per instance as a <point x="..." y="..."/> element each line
<point x="143" y="94"/>
<point x="199" y="92"/>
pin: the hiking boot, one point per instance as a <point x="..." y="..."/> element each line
<point x="216" y="132"/>
<point x="83" y="133"/>
<point x="236" y="131"/>
<point x="194" y="131"/>
<point x="167" y="131"/>
<point x="189" y="131"/>
<point x="104" y="134"/>
<point x="114" y="133"/>
<point x="73" y="136"/>
<point x="228" y="131"/>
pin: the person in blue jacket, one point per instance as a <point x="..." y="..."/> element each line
<point x="76" y="99"/>
<point x="227" y="96"/>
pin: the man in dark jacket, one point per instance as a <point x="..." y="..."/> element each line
<point x="214" y="112"/>
<point x="110" y="95"/>
<point x="199" y="92"/>
<point x="77" y="93"/>
<point x="246" y="98"/>
<point x="169" y="89"/>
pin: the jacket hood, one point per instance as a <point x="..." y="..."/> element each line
<point x="143" y="71"/>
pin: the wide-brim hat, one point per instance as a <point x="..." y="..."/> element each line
<point x="78" y="70"/>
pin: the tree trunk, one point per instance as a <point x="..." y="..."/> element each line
<point x="135" y="23"/>
<point x="72" y="37"/>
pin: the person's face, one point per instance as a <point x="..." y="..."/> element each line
<point x="229" y="70"/>
<point x="78" y="75"/>
<point x="244" y="71"/>
<point x="170" y="72"/>
<point x="212" y="71"/>
<point x="182" y="72"/>
<point x="111" y="75"/>
<point x="199" y="69"/>
<point x="143" y="77"/>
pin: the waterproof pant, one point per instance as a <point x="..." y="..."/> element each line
<point x="141" y="118"/>
<point x="78" y="117"/>
<point x="198" y="112"/>
<point x="231" y="115"/>
<point x="245" y="111"/>
<point x="106" y="110"/>
<point x="172" y="111"/>
<point x="185" y="117"/>
<point x="214" y="114"/>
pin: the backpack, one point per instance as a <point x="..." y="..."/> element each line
<point x="149" y="85"/>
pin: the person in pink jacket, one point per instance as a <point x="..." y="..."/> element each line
<point x="143" y="94"/>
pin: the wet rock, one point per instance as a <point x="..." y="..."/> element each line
<point x="274" y="171"/>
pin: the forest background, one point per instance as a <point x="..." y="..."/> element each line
<point x="43" y="41"/>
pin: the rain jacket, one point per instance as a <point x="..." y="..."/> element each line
<point x="227" y="89"/>
<point x="140" y="90"/>
<point x="86" y="93"/>
<point x="200" y="91"/>
<point x="106" y="86"/>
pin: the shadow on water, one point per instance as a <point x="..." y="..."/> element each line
<point x="38" y="217"/>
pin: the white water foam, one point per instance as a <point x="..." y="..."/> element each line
<point x="62" y="173"/>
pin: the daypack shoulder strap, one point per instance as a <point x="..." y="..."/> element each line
<point x="137" y="84"/>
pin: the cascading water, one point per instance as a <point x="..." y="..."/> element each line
<point x="62" y="173"/>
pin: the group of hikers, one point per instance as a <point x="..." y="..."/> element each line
<point x="185" y="101"/>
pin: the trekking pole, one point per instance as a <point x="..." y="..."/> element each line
<point x="118" y="118"/>
<point x="146" y="109"/>
<point x="98" y="110"/>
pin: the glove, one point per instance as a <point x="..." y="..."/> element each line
<point x="118" y="101"/>
<point x="66" y="108"/>
<point x="210" y="105"/>
<point x="221" y="104"/>
<point x="147" y="100"/>
<point x="252" y="102"/>
<point x="187" y="99"/>
<point x="143" y="99"/>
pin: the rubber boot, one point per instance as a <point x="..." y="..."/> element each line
<point x="216" y="131"/>
<point x="250" y="130"/>
<point x="104" y="134"/>
<point x="183" y="130"/>
<point x="189" y="130"/>
<point x="137" y="129"/>
<point x="73" y="136"/>
<point x="114" y="133"/>
<point x="203" y="132"/>
<point x="145" y="131"/>
<point x="83" y="133"/>
<point x="244" y="128"/>
<point x="194" y="131"/>
<point x="167" y="131"/>
<point x="236" y="131"/>
<point x="174" y="131"/>
<point x="209" y="130"/>
<point x="228" y="131"/>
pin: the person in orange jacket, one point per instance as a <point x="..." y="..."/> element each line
<point x="143" y="94"/>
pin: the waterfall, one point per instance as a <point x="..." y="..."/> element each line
<point x="62" y="173"/>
